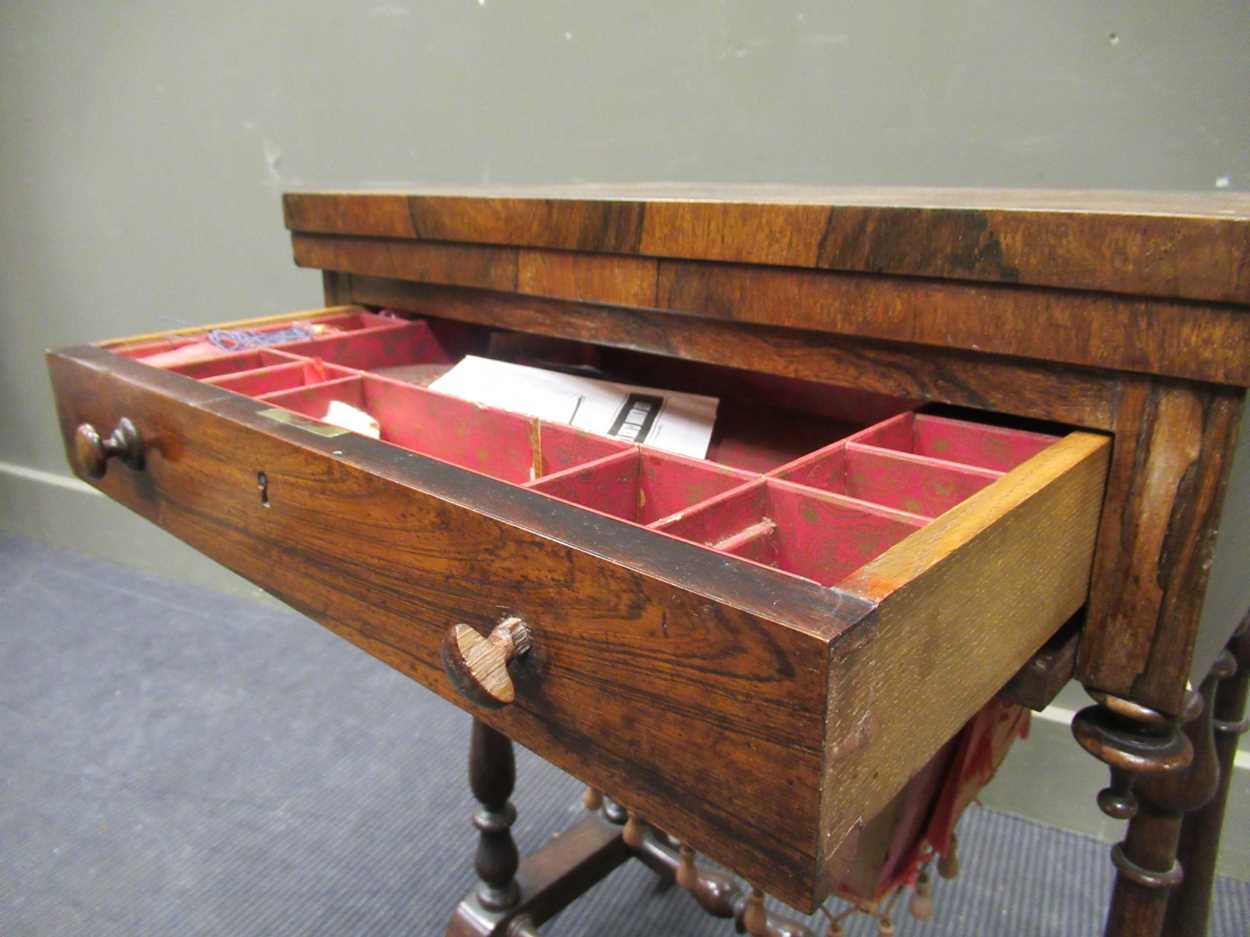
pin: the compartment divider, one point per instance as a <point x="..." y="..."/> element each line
<point x="235" y="362"/>
<point x="642" y="485"/>
<point x="410" y="342"/>
<point x="748" y="535"/>
<point x="508" y="446"/>
<point x="260" y="381"/>
<point x="859" y="504"/>
<point x="574" y="471"/>
<point x="699" y="506"/>
<point x="608" y="484"/>
<point x="963" y="468"/>
<point x="295" y="394"/>
<point x="962" y="442"/>
<point x="805" y="532"/>
<point x="346" y="323"/>
<point x="899" y="481"/>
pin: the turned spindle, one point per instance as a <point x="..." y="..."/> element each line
<point x="492" y="776"/>
<point x="592" y="799"/>
<point x="1142" y="745"/>
<point x="754" y="916"/>
<point x="1190" y="903"/>
<point x="1143" y="748"/>
<point x="755" y="919"/>
<point x="715" y="893"/>
<point x="632" y="831"/>
<point x="718" y="894"/>
<point x="687" y="873"/>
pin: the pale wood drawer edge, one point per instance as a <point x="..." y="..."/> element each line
<point x="251" y="322"/>
<point x="961" y="605"/>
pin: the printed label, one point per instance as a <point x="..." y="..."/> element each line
<point x="636" y="417"/>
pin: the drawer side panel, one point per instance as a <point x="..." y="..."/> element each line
<point x="963" y="604"/>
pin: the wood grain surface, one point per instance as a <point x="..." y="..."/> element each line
<point x="1178" y="245"/>
<point x="1126" y="333"/>
<point x="661" y="670"/>
<point x="961" y="606"/>
<point x="642" y="681"/>
<point x="333" y="309"/>
<point x="1069" y="395"/>
<point x="658" y="669"/>
<point x="1173" y="451"/>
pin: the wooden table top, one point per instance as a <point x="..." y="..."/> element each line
<point x="1149" y="283"/>
<point x="1184" y="245"/>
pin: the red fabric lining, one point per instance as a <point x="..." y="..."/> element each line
<point x="944" y="789"/>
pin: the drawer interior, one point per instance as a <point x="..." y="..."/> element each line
<point x="813" y="485"/>
<point x="839" y="562"/>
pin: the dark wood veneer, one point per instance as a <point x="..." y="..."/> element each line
<point x="1125" y="313"/>
<point x="1129" y="333"/>
<point x="1183" y="245"/>
<point x="641" y="642"/>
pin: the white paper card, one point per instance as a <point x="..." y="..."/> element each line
<point x="661" y="419"/>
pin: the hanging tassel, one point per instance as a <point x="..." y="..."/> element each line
<point x="948" y="865"/>
<point x="632" y="834"/>
<point x="835" y="922"/>
<point x="592" y="799"/>
<point x="921" y="906"/>
<point x="754" y="918"/>
<point x="687" y="874"/>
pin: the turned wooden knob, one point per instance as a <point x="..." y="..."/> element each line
<point x="1145" y="744"/>
<point x="478" y="666"/>
<point x="93" y="453"/>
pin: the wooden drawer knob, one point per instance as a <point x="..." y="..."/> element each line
<point x="478" y="666"/>
<point x="93" y="453"/>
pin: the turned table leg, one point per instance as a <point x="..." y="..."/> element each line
<point x="513" y="897"/>
<point x="1190" y="904"/>
<point x="492" y="776"/>
<point x="1141" y="746"/>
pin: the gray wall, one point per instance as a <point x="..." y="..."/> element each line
<point x="143" y="148"/>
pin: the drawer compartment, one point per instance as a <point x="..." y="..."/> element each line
<point x="989" y="447"/>
<point x="809" y="533"/>
<point x="915" y="484"/>
<point x="277" y="372"/>
<point x="642" y="485"/>
<point x="823" y="628"/>
<point x="496" y="443"/>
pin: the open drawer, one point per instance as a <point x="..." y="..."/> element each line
<point x="754" y="653"/>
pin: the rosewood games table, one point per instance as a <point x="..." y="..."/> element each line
<point x="970" y="445"/>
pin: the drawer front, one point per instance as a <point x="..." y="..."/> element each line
<point x="759" y="715"/>
<point x="682" y="704"/>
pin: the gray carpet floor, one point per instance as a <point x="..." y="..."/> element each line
<point x="177" y="762"/>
